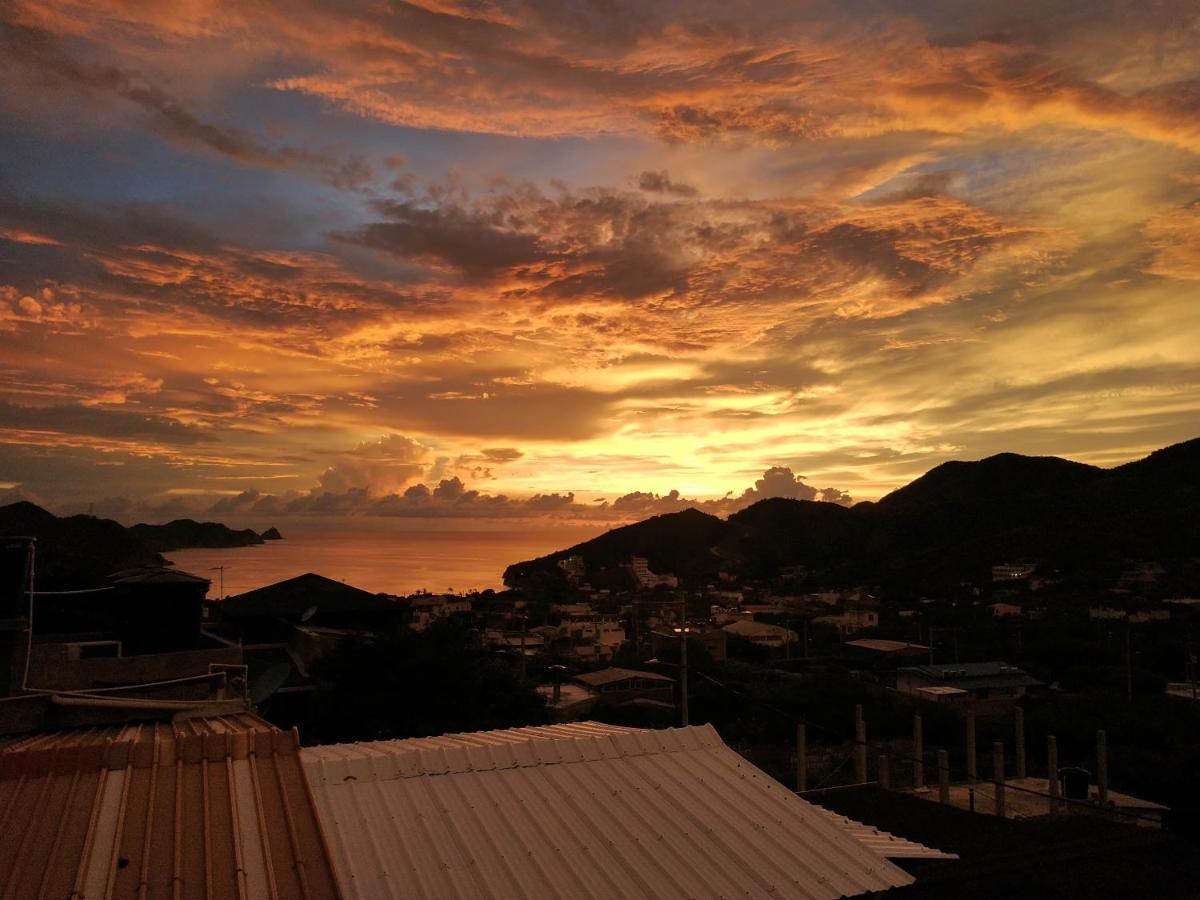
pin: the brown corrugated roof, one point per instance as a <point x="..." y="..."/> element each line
<point x="580" y="810"/>
<point x="213" y="807"/>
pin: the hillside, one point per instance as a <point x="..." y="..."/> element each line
<point x="81" y="551"/>
<point x="676" y="542"/>
<point x="949" y="525"/>
<point x="182" y="533"/>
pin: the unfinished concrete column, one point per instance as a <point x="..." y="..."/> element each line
<point x="885" y="772"/>
<point x="971" y="772"/>
<point x="801" y="759"/>
<point x="998" y="776"/>
<point x="943" y="776"/>
<point x="1052" y="771"/>
<point x="918" y="755"/>
<point x="860" y="751"/>
<point x="1019" y="740"/>
<point x="1102" y="766"/>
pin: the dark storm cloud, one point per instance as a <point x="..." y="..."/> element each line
<point x="73" y="419"/>
<point x="661" y="183"/>
<point x="604" y="243"/>
<point x="474" y="243"/>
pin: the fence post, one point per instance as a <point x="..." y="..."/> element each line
<point x="801" y="759"/>
<point x="1052" y="782"/>
<point x="918" y="755"/>
<point x="998" y="776"/>
<point x="943" y="776"/>
<point x="860" y="751"/>
<point x="971" y="772"/>
<point x="1019" y="740"/>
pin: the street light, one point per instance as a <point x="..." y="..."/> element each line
<point x="682" y="630"/>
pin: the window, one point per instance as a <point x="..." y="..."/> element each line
<point x="93" y="649"/>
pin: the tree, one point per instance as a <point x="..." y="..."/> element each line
<point x="404" y="683"/>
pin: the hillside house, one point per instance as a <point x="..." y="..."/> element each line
<point x="616" y="687"/>
<point x="764" y="635"/>
<point x="987" y="688"/>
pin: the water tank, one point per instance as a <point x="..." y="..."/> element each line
<point x="1075" y="782"/>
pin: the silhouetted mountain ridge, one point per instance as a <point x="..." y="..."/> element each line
<point x="81" y="551"/>
<point x="181" y="533"/>
<point x="952" y="523"/>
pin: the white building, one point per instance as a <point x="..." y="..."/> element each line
<point x="761" y="633"/>
<point x="848" y="621"/>
<point x="647" y="579"/>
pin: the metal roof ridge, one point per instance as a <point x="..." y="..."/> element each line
<point x="141" y="748"/>
<point x="369" y="761"/>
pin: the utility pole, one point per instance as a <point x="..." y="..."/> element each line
<point x="524" y="626"/>
<point x="220" y="569"/>
<point x="1128" y="667"/>
<point x="683" y="667"/>
<point x="1191" y="667"/>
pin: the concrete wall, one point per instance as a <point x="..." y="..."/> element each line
<point x="50" y="668"/>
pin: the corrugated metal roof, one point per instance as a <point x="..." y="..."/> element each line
<point x="577" y="810"/>
<point x="614" y="674"/>
<point x="203" y="808"/>
<point x="882" y="645"/>
<point x="884" y="842"/>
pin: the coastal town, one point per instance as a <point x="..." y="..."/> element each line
<point x="953" y="703"/>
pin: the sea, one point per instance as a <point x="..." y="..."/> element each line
<point x="400" y="560"/>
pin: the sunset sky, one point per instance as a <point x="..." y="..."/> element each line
<point x="491" y="259"/>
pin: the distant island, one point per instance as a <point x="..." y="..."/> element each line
<point x="80" y="551"/>
<point x="947" y="527"/>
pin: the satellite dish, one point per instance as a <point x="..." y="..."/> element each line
<point x="269" y="682"/>
<point x="308" y="613"/>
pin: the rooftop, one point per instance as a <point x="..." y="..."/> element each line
<point x="609" y="676"/>
<point x="578" y="810"/>
<point x="156" y="575"/>
<point x="302" y="597"/>
<point x="203" y="807"/>
<point x="879" y="645"/>
<point x="984" y="674"/>
<point x="748" y="628"/>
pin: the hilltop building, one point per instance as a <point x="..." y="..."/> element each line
<point x="850" y="621"/>
<point x="107" y="643"/>
<point x="1013" y="571"/>
<point x="987" y="688"/>
<point x="762" y="634"/>
<point x="573" y="569"/>
<point x="644" y="578"/>
<point x="617" y="687"/>
<point x="284" y="627"/>
<point x="711" y="641"/>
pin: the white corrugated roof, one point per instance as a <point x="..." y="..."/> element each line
<point x="577" y="810"/>
<point x="884" y="842"/>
